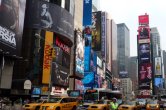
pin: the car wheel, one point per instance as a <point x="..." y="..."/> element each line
<point x="58" y="108"/>
<point x="74" y="108"/>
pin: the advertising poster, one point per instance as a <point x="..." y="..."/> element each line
<point x="144" y="32"/>
<point x="96" y="31"/>
<point x="123" y="74"/>
<point x="158" y="66"/>
<point x="11" y="25"/>
<point x="103" y="34"/>
<point x="144" y="57"/>
<point x="143" y="19"/>
<point x="80" y="43"/>
<point x="159" y="84"/>
<point x="47" y="57"/>
<point x="144" y="48"/>
<point x="93" y="61"/>
<point x="41" y="15"/>
<point x="145" y="76"/>
<point x="87" y="12"/>
<point x="87" y="48"/>
<point x="60" y="75"/>
<point x="79" y="85"/>
<point x="89" y="79"/>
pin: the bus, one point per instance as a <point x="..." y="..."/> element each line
<point x="100" y="93"/>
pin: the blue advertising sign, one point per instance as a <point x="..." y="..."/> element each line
<point x="87" y="49"/>
<point x="89" y="78"/>
<point x="87" y="12"/>
<point x="93" y="61"/>
<point x="159" y="83"/>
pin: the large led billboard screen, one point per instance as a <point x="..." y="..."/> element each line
<point x="80" y="43"/>
<point x="11" y="26"/>
<point x="158" y="66"/>
<point x="96" y="31"/>
<point x="143" y="19"/>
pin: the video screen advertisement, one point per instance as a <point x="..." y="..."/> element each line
<point x="143" y="19"/>
<point x="145" y="76"/>
<point x="89" y="79"/>
<point x="158" y="66"/>
<point x="158" y="84"/>
<point x="79" y="85"/>
<point x="87" y="48"/>
<point x="103" y="35"/>
<point x="11" y="26"/>
<point x="80" y="43"/>
<point x="144" y="53"/>
<point x="144" y="32"/>
<point x="96" y="31"/>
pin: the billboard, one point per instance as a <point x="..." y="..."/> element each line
<point x="79" y="85"/>
<point x="87" y="48"/>
<point x="158" y="84"/>
<point x="60" y="75"/>
<point x="143" y="32"/>
<point x="158" y="66"/>
<point x="41" y="15"/>
<point x="96" y="31"/>
<point x="143" y="19"/>
<point x="103" y="34"/>
<point x="89" y="78"/>
<point x="123" y="74"/>
<point x="87" y="12"/>
<point x="11" y="26"/>
<point x="144" y="53"/>
<point x="145" y="76"/>
<point x="47" y="57"/>
<point x="93" y="61"/>
<point x="80" y="43"/>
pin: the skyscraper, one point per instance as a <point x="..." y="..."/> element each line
<point x="123" y="38"/>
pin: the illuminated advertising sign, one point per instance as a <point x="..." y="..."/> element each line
<point x="87" y="48"/>
<point x="93" y="61"/>
<point x="158" y="66"/>
<point x="41" y="15"/>
<point x="79" y="85"/>
<point x="80" y="43"/>
<point x="89" y="78"/>
<point x="11" y="25"/>
<point x="87" y="12"/>
<point x="143" y="19"/>
<point x="47" y="57"/>
<point x="144" y="53"/>
<point x="159" y="84"/>
<point x="103" y="34"/>
<point x="123" y="74"/>
<point x="73" y="93"/>
<point x="144" y="32"/>
<point x="96" y="31"/>
<point x="145" y="76"/>
<point x="60" y="75"/>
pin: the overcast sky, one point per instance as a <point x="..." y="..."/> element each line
<point x="127" y="11"/>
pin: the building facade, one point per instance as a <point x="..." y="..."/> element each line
<point x="123" y="38"/>
<point x="126" y="85"/>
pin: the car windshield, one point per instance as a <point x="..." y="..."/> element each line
<point x="130" y="103"/>
<point x="54" y="100"/>
<point x="39" y="101"/>
<point x="152" y="102"/>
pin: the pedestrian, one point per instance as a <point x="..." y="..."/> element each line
<point x="114" y="104"/>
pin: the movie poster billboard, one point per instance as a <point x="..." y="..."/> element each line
<point x="158" y="66"/>
<point x="145" y="76"/>
<point x="80" y="43"/>
<point x="144" y="53"/>
<point x="11" y="26"/>
<point x="60" y="75"/>
<point x="96" y="31"/>
<point x="41" y="15"/>
<point x="143" y="32"/>
<point x="143" y="19"/>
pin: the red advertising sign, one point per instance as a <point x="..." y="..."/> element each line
<point x="145" y="73"/>
<point x="143" y="19"/>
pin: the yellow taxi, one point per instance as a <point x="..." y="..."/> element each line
<point x="35" y="105"/>
<point x="130" y="105"/>
<point x="100" y="105"/>
<point x="153" y="105"/>
<point x="60" y="103"/>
